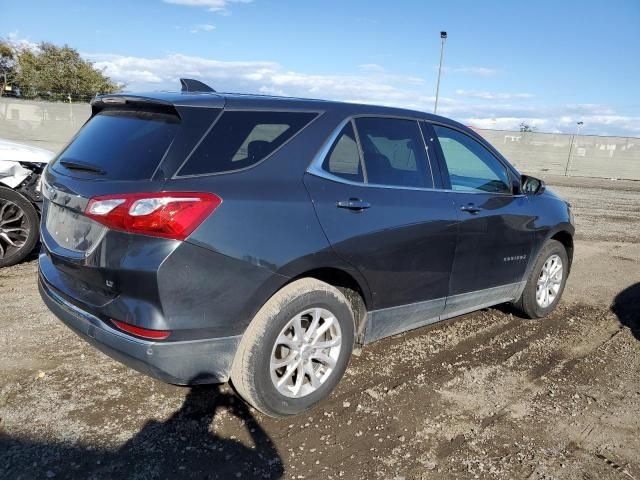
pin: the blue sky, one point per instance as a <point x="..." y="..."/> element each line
<point x="549" y="64"/>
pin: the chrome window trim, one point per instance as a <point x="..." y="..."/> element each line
<point x="315" y="167"/>
<point x="177" y="176"/>
<point x="319" y="172"/>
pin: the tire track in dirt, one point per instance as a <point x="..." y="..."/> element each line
<point x="486" y="395"/>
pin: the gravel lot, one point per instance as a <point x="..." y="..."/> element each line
<point x="487" y="395"/>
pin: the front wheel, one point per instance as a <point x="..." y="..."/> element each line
<point x="296" y="349"/>
<point x="546" y="281"/>
<point x="19" y="227"/>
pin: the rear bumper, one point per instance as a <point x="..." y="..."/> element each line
<point x="181" y="363"/>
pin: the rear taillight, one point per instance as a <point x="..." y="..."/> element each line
<point x="165" y="214"/>
<point x="142" y="332"/>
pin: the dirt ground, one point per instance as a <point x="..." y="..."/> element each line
<point x="486" y="395"/>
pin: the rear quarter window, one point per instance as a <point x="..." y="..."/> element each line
<point x="240" y="139"/>
<point x="343" y="159"/>
<point x="124" y="144"/>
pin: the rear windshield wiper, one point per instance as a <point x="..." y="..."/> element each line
<point x="81" y="166"/>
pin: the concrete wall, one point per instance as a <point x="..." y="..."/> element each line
<point x="51" y="125"/>
<point x="41" y="124"/>
<point x="559" y="154"/>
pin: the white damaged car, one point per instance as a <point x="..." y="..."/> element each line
<point x="20" y="199"/>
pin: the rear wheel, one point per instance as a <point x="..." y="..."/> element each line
<point x="546" y="281"/>
<point x="19" y="228"/>
<point x="296" y="349"/>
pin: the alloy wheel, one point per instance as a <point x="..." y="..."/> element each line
<point x="305" y="353"/>
<point x="14" y="228"/>
<point x="549" y="281"/>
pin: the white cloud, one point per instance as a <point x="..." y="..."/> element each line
<point x="558" y="119"/>
<point x="507" y="123"/>
<point x="478" y="71"/>
<point x="371" y="67"/>
<point x="369" y="84"/>
<point x="204" y="27"/>
<point x="492" y="95"/>
<point x="21" y="43"/>
<point x="218" y="6"/>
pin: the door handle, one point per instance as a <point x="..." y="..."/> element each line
<point x="470" y="208"/>
<point x="354" y="204"/>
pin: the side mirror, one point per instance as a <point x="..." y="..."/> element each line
<point x="531" y="185"/>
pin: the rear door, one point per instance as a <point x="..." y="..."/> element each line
<point x="373" y="190"/>
<point x="494" y="236"/>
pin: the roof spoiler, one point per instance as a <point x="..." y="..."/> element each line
<point x="133" y="102"/>
<point x="191" y="85"/>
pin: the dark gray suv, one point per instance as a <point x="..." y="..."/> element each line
<point x="201" y="237"/>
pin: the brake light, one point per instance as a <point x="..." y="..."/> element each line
<point x="142" y="332"/>
<point x="172" y="215"/>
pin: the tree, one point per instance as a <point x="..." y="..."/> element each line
<point x="526" y="128"/>
<point x="7" y="65"/>
<point x="58" y="73"/>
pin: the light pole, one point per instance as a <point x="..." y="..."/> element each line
<point x="575" y="140"/>
<point x="443" y="36"/>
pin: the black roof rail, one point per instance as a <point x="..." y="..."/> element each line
<point x="191" y="85"/>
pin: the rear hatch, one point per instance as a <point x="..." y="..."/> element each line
<point x="118" y="145"/>
<point x="130" y="144"/>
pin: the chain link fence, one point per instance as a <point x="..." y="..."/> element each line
<point x="51" y="125"/>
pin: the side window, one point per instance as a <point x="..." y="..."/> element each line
<point x="240" y="139"/>
<point x="471" y="166"/>
<point x="343" y="160"/>
<point x="394" y="152"/>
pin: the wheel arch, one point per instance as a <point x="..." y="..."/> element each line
<point x="354" y="289"/>
<point x="566" y="239"/>
<point x="562" y="233"/>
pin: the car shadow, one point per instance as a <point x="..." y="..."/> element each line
<point x="183" y="446"/>
<point x="507" y="309"/>
<point x="626" y="306"/>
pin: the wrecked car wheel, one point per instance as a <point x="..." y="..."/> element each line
<point x="18" y="227"/>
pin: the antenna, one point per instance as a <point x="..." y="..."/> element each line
<point x="191" y="85"/>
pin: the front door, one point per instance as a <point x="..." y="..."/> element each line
<point x="494" y="236"/>
<point x="375" y="199"/>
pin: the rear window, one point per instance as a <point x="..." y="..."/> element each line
<point x="124" y="145"/>
<point x="240" y="139"/>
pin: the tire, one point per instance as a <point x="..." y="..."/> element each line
<point x="19" y="227"/>
<point x="529" y="304"/>
<point x="253" y="375"/>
